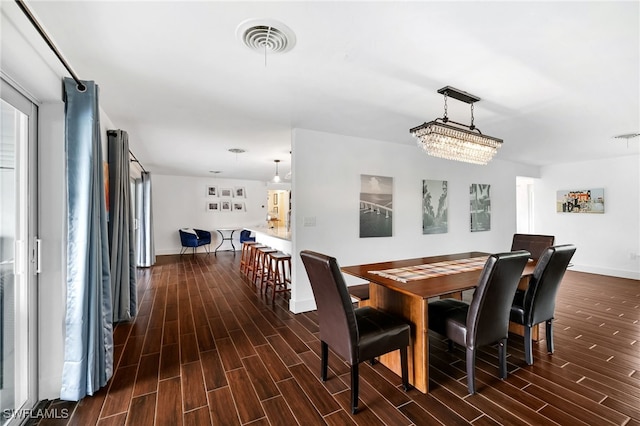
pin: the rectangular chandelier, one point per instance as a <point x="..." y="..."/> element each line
<point x="460" y="142"/>
<point x="452" y="143"/>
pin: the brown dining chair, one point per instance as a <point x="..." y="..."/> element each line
<point x="356" y="334"/>
<point x="537" y="303"/>
<point x="533" y="243"/>
<point x="485" y="320"/>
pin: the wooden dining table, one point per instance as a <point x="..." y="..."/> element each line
<point x="403" y="287"/>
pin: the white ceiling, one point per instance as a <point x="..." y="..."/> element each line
<point x="558" y="80"/>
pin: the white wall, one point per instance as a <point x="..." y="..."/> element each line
<point x="605" y="242"/>
<point x="326" y="187"/>
<point x="181" y="201"/>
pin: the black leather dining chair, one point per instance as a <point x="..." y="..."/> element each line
<point x="485" y="320"/>
<point x="533" y="243"/>
<point x="358" y="334"/>
<point x="537" y="303"/>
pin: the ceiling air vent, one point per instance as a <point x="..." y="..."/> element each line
<point x="266" y="35"/>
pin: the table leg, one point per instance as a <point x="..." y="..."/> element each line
<point x="414" y="309"/>
<point x="231" y="241"/>
<point x="223" y="239"/>
<point x="215" y="252"/>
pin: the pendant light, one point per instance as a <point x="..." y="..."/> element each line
<point x="276" y="178"/>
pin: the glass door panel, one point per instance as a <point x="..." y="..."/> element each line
<point x="17" y="281"/>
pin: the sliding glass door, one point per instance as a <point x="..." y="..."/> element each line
<point x="18" y="255"/>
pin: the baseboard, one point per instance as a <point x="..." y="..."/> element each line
<point x="163" y="252"/>
<point x="167" y="251"/>
<point x="634" y="275"/>
<point x="299" y="306"/>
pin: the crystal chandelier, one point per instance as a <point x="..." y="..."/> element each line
<point x="465" y="143"/>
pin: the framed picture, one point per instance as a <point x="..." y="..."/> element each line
<point x="434" y="207"/>
<point x="212" y="191"/>
<point x="239" y="192"/>
<point x="238" y="207"/>
<point x="213" y="206"/>
<point x="225" y="206"/>
<point x="376" y="206"/>
<point x="226" y="192"/>
<point x="480" y="207"/>
<point x="580" y="201"/>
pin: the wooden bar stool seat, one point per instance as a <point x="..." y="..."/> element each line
<point x="251" y="262"/>
<point x="279" y="274"/>
<point x="245" y="255"/>
<point x="261" y="265"/>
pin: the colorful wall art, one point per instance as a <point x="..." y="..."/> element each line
<point x="580" y="201"/>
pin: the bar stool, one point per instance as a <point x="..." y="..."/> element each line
<point x="251" y="262"/>
<point x="245" y="256"/>
<point x="261" y="265"/>
<point x="279" y="274"/>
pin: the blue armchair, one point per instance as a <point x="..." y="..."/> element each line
<point x="245" y="235"/>
<point x="194" y="238"/>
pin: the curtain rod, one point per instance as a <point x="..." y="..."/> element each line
<point x="135" y="160"/>
<point x="43" y="34"/>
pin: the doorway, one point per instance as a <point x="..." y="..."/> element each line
<point x="279" y="208"/>
<point x="18" y="255"/>
<point x="524" y="205"/>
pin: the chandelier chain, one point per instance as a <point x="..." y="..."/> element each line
<point x="472" y="126"/>
<point x="445" y="106"/>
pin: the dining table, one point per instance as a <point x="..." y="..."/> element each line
<point x="404" y="287"/>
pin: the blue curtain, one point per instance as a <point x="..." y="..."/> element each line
<point x="88" y="346"/>
<point x="145" y="246"/>
<point x="121" y="229"/>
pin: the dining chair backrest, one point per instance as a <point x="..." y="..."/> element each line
<point x="534" y="244"/>
<point x="488" y="315"/>
<point x="540" y="296"/>
<point x="336" y="317"/>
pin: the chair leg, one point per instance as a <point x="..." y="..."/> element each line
<point x="354" y="388"/>
<point x="502" y="357"/>
<point x="450" y="344"/>
<point x="183" y="250"/>
<point x="471" y="371"/>
<point x="528" y="345"/>
<point x="404" y="367"/>
<point x="549" y="335"/>
<point x="324" y="360"/>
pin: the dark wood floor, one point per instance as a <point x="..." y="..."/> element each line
<point x="205" y="348"/>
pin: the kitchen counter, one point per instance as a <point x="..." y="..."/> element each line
<point x="277" y="237"/>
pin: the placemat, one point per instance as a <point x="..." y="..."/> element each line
<point x="430" y="270"/>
